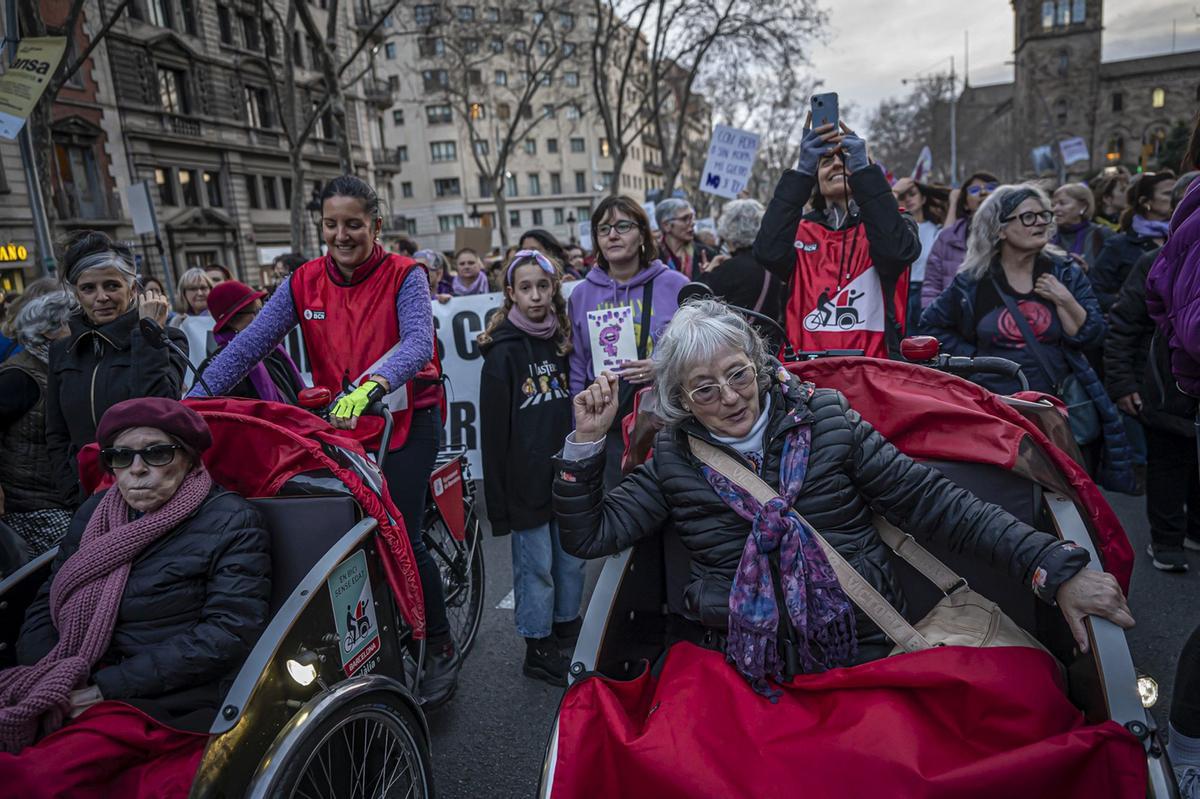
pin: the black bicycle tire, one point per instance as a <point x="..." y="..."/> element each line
<point x="474" y="542"/>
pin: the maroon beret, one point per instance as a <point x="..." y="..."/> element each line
<point x="168" y="415"/>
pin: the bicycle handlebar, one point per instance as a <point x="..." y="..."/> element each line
<point x="964" y="366"/>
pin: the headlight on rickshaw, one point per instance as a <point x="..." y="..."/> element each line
<point x="303" y="667"/>
<point x="1148" y="690"/>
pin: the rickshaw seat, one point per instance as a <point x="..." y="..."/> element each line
<point x="301" y="530"/>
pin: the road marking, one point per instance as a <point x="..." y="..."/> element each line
<point x="508" y="603"/>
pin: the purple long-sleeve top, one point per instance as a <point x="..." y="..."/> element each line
<point x="279" y="316"/>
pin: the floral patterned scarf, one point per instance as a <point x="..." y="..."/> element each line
<point x="819" y="610"/>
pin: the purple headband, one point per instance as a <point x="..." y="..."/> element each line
<point x="522" y="255"/>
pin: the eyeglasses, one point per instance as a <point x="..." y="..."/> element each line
<point x="738" y="381"/>
<point x="686" y="219"/>
<point x="976" y="190"/>
<point x="1031" y="218"/>
<point x="622" y="227"/>
<point x="153" y="455"/>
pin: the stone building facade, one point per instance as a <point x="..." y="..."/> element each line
<point x="1062" y="89"/>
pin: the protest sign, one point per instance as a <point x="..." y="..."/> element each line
<point x="730" y="160"/>
<point x="22" y="84"/>
<point x="612" y="338"/>
<point x="1073" y="150"/>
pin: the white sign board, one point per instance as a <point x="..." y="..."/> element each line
<point x="1073" y="150"/>
<point x="141" y="208"/>
<point x="730" y="161"/>
<point x="267" y="255"/>
<point x="585" y="236"/>
<point x="649" y="209"/>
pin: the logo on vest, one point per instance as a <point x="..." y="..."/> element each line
<point x="310" y="315"/>
<point x="807" y="246"/>
<point x="858" y="306"/>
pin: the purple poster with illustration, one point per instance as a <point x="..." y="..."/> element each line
<point x="612" y="337"/>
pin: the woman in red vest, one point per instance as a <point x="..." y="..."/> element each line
<point x="846" y="261"/>
<point x="386" y="349"/>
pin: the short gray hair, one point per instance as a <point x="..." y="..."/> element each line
<point x="43" y="316"/>
<point x="739" y="223"/>
<point x="983" y="242"/>
<point x="666" y="210"/>
<point x="698" y="331"/>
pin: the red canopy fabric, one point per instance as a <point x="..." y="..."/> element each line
<point x="111" y="750"/>
<point x="945" y="723"/>
<point x="929" y="415"/>
<point x="258" y="446"/>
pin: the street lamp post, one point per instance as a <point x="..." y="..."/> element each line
<point x="571" y="225"/>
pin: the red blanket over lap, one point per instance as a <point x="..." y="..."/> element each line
<point x="946" y="723"/>
<point x="112" y="750"/>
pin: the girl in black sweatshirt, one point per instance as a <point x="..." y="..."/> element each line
<point x="525" y="412"/>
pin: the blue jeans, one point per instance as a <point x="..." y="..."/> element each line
<point x="547" y="582"/>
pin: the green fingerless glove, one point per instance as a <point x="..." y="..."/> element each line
<point x="354" y="403"/>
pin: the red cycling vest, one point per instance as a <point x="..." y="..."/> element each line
<point x="837" y="301"/>
<point x="350" y="328"/>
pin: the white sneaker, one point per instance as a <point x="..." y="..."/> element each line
<point x="1189" y="781"/>
<point x="1191" y="544"/>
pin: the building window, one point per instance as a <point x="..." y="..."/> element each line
<point x="543" y="47"/>
<point x="1060" y="112"/>
<point x="604" y="151"/>
<point x="1048" y="15"/>
<point x="430" y="46"/>
<point x="552" y="145"/>
<point x="447" y="187"/>
<point x="1063" y="18"/>
<point x="258" y="107"/>
<point x="406" y="189"/>
<point x="485" y="186"/>
<point x="212" y="188"/>
<point x="566" y="20"/>
<point x="555" y="183"/>
<point x="443" y="151"/>
<point x="270" y="193"/>
<point x="402" y="153"/>
<point x="571" y="79"/>
<point x="424" y="15"/>
<point x="389" y="51"/>
<point x="531" y="146"/>
<point x="448" y="223"/>
<point x="559" y="218"/>
<point x="501" y="77"/>
<point x="535" y="184"/>
<point x="503" y="111"/>
<point x="158" y="12"/>
<point x="496" y="44"/>
<point x="573" y="111"/>
<point x="1079" y="11"/>
<point x="252" y="192"/>
<point x="250" y="36"/>
<point x="1116" y="147"/>
<point x="481" y="147"/>
<point x="466" y="13"/>
<point x="1158" y="98"/>
<point x="510" y="185"/>
<point x="606" y="180"/>
<point x="439" y="114"/>
<point x="1064" y="63"/>
<point x="514" y="218"/>
<point x="393" y="83"/>
<point x="578" y="145"/>
<point x="77" y="191"/>
<point x="548" y="110"/>
<point x="474" y="77"/>
<point x="434" y="79"/>
<point x="166" y="186"/>
<point x="287" y="192"/>
<point x="568" y="48"/>
<point x="270" y="44"/>
<point x="477" y="111"/>
<point x="491" y="14"/>
<point x="172" y="91"/>
<point x="188" y="188"/>
<point x="187" y="9"/>
<point x="398" y="117"/>
<point x="580" y="182"/>
<point x="583" y="213"/>
<point x="1118" y="102"/>
<point x="536" y="215"/>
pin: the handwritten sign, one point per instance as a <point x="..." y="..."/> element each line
<point x="611" y="333"/>
<point x="730" y="161"/>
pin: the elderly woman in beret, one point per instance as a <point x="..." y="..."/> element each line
<point x="159" y="591"/>
<point x="716" y="383"/>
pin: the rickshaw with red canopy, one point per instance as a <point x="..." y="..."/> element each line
<point x="644" y="716"/>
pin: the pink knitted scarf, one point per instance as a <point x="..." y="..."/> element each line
<point x="84" y="599"/>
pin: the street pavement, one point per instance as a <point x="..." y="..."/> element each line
<point x="489" y="742"/>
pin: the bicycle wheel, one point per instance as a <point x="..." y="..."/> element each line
<point x="461" y="565"/>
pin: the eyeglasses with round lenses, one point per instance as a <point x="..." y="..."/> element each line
<point x="738" y="381"/>
<point x="976" y="189"/>
<point x="622" y="227"/>
<point x="1031" y="218"/>
<point x="686" y="219"/>
<point x="153" y="455"/>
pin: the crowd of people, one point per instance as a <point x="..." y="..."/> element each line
<point x="842" y="257"/>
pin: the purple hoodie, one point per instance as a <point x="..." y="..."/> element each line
<point x="949" y="250"/>
<point x="1173" y="291"/>
<point x="598" y="291"/>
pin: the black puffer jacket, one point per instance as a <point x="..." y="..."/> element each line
<point x="92" y="369"/>
<point x="853" y="473"/>
<point x="194" y="605"/>
<point x="1116" y="259"/>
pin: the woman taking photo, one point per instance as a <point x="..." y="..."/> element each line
<point x="104" y="360"/>
<point x="846" y="262"/>
<point x="386" y="348"/>
<point x="927" y="205"/>
<point x="525" y="411"/>
<point x="626" y="274"/>
<point x="1075" y="231"/>
<point x="950" y="246"/>
<point x="1144" y="225"/>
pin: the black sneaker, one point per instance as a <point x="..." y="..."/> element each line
<point x="440" y="680"/>
<point x="544" y="661"/>
<point x="1168" y="559"/>
<point x="567" y="632"/>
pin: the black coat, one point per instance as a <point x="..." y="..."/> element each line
<point x="1118" y="256"/>
<point x="891" y="235"/>
<point x="740" y="281"/>
<point x="521" y="426"/>
<point x="92" y="369"/>
<point x="195" y="603"/>
<point x="853" y="473"/>
<point x="1137" y="359"/>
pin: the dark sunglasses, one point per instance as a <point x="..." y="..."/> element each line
<point x="153" y="455"/>
<point x="1031" y="218"/>
<point x="976" y="189"/>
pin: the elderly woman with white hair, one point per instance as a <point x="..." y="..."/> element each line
<point x="104" y="359"/>
<point x="739" y="278"/>
<point x="716" y="384"/>
<point x="29" y="502"/>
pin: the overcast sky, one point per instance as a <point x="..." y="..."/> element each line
<point x="872" y="46"/>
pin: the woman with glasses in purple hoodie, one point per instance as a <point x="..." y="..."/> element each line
<point x="950" y="247"/>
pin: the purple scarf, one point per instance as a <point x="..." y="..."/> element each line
<point x="820" y="611"/>
<point x="259" y="377"/>
<point x="1151" y="229"/>
<point x="478" y="286"/>
<point x="1079" y="231"/>
<point x="543" y="329"/>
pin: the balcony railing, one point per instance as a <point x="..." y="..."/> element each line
<point x="364" y="20"/>
<point x="94" y="206"/>
<point x="386" y="158"/>
<point x="378" y="92"/>
<point x="182" y="126"/>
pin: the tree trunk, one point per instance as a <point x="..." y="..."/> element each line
<point x="620" y="154"/>
<point x="501" y="215"/>
<point x="296" y="162"/>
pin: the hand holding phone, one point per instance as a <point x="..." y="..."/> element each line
<point x="824" y="110"/>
